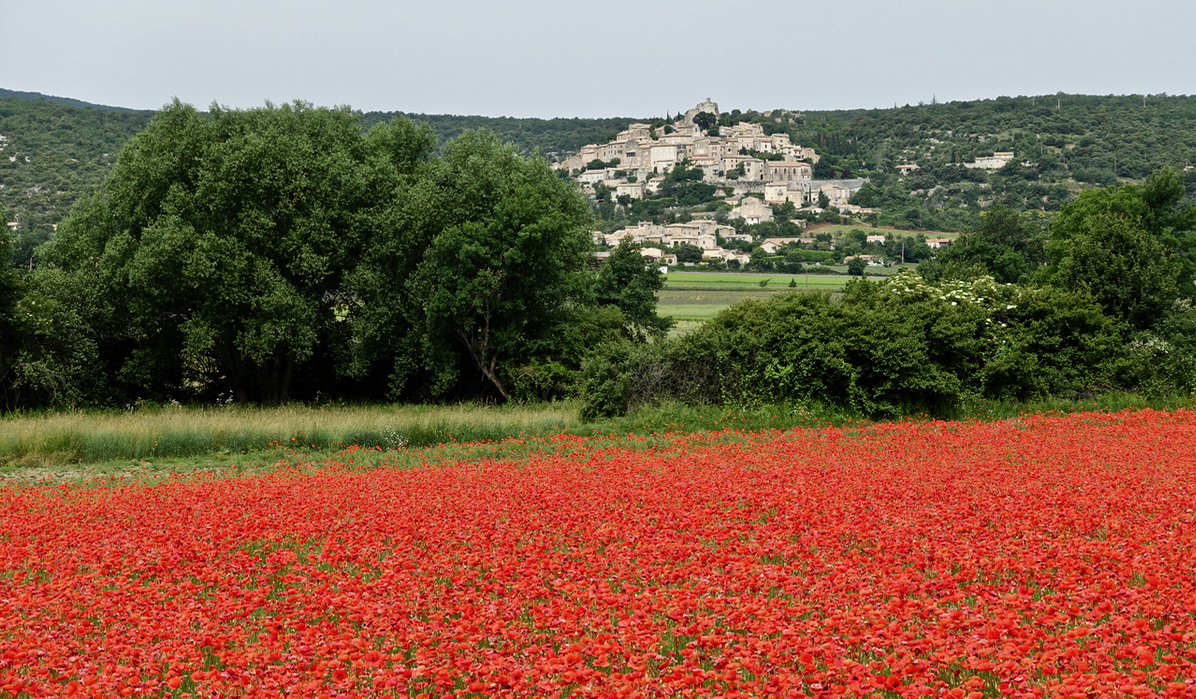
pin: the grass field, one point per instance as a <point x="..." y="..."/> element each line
<point x="698" y="296"/>
<point x="176" y="432"/>
<point x="152" y="442"/>
<point x="744" y="282"/>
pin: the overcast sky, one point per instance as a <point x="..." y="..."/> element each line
<point x="548" y="58"/>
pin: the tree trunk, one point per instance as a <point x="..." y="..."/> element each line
<point x="493" y="376"/>
<point x="237" y="374"/>
<point x="479" y="349"/>
<point x="284" y="389"/>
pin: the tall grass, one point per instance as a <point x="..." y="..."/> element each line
<point x="71" y="437"/>
<point x="49" y="439"/>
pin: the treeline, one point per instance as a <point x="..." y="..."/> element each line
<point x="1094" y="138"/>
<point x="57" y="149"/>
<point x="1061" y="145"/>
<point x="281" y="253"/>
<point x="550" y="137"/>
<point x="1101" y="302"/>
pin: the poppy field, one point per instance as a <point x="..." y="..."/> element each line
<point x="1048" y="555"/>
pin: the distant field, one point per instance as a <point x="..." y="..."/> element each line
<point x="873" y="271"/>
<point x="699" y="296"/>
<point x="748" y="282"/>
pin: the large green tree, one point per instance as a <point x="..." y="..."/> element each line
<point x="1123" y="267"/>
<point x="1007" y="245"/>
<point x="503" y="268"/>
<point x="1132" y="247"/>
<point x="279" y="251"/>
<point x="220" y="245"/>
<point x="627" y="281"/>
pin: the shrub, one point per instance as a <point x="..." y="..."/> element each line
<point x="897" y="347"/>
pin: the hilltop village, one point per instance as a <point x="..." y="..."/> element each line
<point x="751" y="177"/>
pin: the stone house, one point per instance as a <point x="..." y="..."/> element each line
<point x="779" y="193"/>
<point x="592" y="176"/>
<point x="752" y="211"/>
<point x="635" y="190"/>
<point x="996" y="161"/>
<point x="787" y="171"/>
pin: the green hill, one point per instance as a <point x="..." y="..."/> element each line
<point x="551" y="137"/>
<point x="51" y="152"/>
<point x="56" y="149"/>
<point x="1061" y="143"/>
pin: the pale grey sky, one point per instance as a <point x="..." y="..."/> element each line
<point x="549" y="58"/>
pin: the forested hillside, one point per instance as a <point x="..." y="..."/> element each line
<point x="1062" y="143"/>
<point x="1093" y="138"/>
<point x="53" y="150"/>
<point x="50" y="154"/>
<point x="552" y="137"/>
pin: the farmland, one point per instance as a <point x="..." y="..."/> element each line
<point x="1041" y="555"/>
<point x="698" y="296"/>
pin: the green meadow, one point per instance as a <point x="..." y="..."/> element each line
<point x="699" y="296"/>
<point x="159" y="441"/>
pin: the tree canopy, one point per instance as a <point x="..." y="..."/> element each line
<point x="1133" y="247"/>
<point x="276" y="252"/>
<point x="503" y="267"/>
<point x="627" y="281"/>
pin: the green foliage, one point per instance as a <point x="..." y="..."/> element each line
<point x="551" y="137"/>
<point x="280" y="250"/>
<point x="688" y="252"/>
<point x="56" y="361"/>
<point x="222" y="243"/>
<point x="705" y="120"/>
<point x="605" y="382"/>
<point x="627" y="281"/>
<point x="904" y="346"/>
<point x="1052" y="342"/>
<point x="1002" y="243"/>
<point x="1123" y="267"/>
<point x="1131" y="247"/>
<point x="684" y="186"/>
<point x="500" y="277"/>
